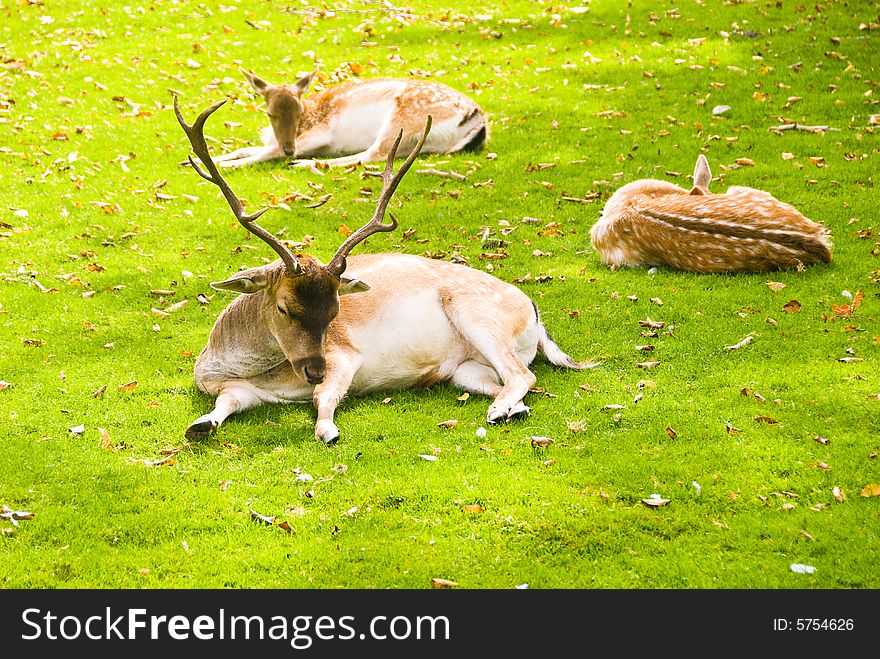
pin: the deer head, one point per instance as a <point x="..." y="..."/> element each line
<point x="298" y="295"/>
<point x="284" y="106"/>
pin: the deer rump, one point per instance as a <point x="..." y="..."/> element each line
<point x="743" y="230"/>
<point x="422" y="322"/>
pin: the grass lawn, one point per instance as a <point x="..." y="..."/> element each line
<point x="767" y="455"/>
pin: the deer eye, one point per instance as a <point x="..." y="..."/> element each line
<point x="281" y="310"/>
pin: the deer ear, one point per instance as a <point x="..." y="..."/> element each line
<point x="348" y="286"/>
<point x="244" y="283"/>
<point x="303" y="83"/>
<point x="260" y="86"/>
<point x="702" y="175"/>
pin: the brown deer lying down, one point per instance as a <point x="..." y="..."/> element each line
<point x="357" y="122"/>
<point x="652" y="222"/>
<point x="303" y="331"/>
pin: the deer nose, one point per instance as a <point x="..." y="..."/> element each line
<point x="314" y="373"/>
<point x="289" y="148"/>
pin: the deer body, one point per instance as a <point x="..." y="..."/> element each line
<point x="304" y="330"/>
<point x="650" y="222"/>
<point x="422" y="322"/>
<point x="357" y="122"/>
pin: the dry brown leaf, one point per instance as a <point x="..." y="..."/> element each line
<point x="443" y="583"/>
<point x="106" y="442"/>
<point x="838" y="494"/>
<point x="648" y="364"/>
<point x="672" y="434"/>
<point x="792" y="306"/>
<point x="538" y="441"/>
<point x="775" y="285"/>
<point x="655" y="502"/>
<point x="129" y="386"/>
<point x="766" y="419"/>
<point x="450" y="423"/>
<point x="99" y="392"/>
<point x="821" y="440"/>
<point x="224" y="485"/>
<point x="474" y="508"/>
<point x="807" y="535"/>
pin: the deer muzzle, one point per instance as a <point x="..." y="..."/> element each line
<point x="313" y="369"/>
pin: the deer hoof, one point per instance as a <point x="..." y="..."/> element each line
<point x="327" y="433"/>
<point x="518" y="411"/>
<point x="201" y="428"/>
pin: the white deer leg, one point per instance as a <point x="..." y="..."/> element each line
<point x="262" y="154"/>
<point x="328" y="394"/>
<point x="243" y="152"/>
<point x="233" y="398"/>
<point x="477" y="378"/>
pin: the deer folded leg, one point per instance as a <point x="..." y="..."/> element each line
<point x="232" y="399"/>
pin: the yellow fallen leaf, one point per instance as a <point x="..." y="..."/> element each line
<point x="106" y="442"/>
<point x="128" y="386"/>
<point x="872" y="490"/>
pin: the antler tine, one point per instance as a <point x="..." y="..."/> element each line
<point x="390" y="181"/>
<point x="196" y="135"/>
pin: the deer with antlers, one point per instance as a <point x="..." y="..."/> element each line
<point x="302" y="330"/>
<point x="650" y="222"/>
<point x="357" y="122"/>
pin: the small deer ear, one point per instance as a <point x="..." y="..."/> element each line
<point x="702" y="175"/>
<point x="246" y="283"/>
<point x="260" y="86"/>
<point x="303" y="83"/>
<point x="348" y="286"/>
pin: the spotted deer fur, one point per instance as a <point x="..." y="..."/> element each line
<point x="651" y="223"/>
<point x="357" y="122"/>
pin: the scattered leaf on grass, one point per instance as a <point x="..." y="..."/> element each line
<point x="872" y="490"/>
<point x="443" y="583"/>
<point x="538" y="441"/>
<point x="821" y="439"/>
<point x="800" y="568"/>
<point x="129" y="386"/>
<point x="429" y="458"/>
<point x="576" y="426"/>
<point x="270" y="521"/>
<point x="654" y="324"/>
<point x="106" y="442"/>
<point x="463" y="397"/>
<point x="792" y="306"/>
<point x="167" y="461"/>
<point x="731" y="430"/>
<point x="474" y="508"/>
<point x="838" y="494"/>
<point x="99" y="391"/>
<point x="766" y="419"/>
<point x="451" y="423"/>
<point x="648" y="364"/>
<point x="655" y="501"/>
<point x="77" y="430"/>
<point x="669" y="431"/>
<point x="14" y="516"/>
<point x="224" y="485"/>
<point x="744" y="342"/>
<point x="4" y="385"/>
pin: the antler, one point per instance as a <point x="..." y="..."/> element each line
<point x="196" y="136"/>
<point x="390" y="181"/>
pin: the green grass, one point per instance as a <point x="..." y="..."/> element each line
<point x="606" y="97"/>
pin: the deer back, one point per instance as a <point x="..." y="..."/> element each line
<point x="652" y="222"/>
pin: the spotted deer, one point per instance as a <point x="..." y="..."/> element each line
<point x="302" y="330"/>
<point x="357" y="122"/>
<point x="650" y="222"/>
